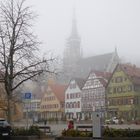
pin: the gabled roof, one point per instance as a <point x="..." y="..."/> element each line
<point x="105" y="75"/>
<point x="102" y="76"/>
<point x="80" y="82"/>
<point x="103" y="82"/>
<point x="132" y="71"/>
<point x="58" y="90"/>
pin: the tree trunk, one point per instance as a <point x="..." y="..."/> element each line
<point x="9" y="107"/>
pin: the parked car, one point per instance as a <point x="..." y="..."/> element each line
<point x="5" y="128"/>
<point x="108" y="121"/>
<point x="113" y="120"/>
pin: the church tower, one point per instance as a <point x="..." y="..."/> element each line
<point x="72" y="52"/>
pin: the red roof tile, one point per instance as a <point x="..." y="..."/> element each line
<point x="105" y="75"/>
<point x="59" y="91"/>
<point x="102" y="76"/>
<point x="132" y="71"/>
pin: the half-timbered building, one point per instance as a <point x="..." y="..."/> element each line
<point x="93" y="93"/>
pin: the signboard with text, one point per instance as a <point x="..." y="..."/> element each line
<point x="28" y="96"/>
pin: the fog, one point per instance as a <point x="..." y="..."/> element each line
<point x="102" y="26"/>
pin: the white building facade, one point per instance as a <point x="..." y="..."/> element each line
<point x="32" y="107"/>
<point x="73" y="99"/>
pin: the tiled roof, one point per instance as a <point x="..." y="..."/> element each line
<point x="98" y="62"/>
<point x="59" y="91"/>
<point x="80" y="82"/>
<point x="105" y="75"/>
<point x="132" y="71"/>
<point x="104" y="82"/>
<point x="102" y="76"/>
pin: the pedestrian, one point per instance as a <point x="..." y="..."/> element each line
<point x="70" y="125"/>
<point x="45" y="122"/>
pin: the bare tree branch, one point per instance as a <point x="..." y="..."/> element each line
<point x="19" y="47"/>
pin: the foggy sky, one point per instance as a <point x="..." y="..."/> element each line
<point x="102" y="25"/>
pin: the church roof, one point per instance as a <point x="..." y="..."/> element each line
<point x="98" y="62"/>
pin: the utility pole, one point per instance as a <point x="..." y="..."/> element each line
<point x="27" y="97"/>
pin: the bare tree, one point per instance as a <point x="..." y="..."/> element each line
<point x="19" y="52"/>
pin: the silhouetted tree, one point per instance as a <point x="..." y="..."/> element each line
<point x="19" y="51"/>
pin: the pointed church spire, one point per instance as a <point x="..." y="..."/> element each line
<point x="116" y="52"/>
<point x="74" y="32"/>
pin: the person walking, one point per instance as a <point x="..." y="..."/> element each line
<point x="70" y="125"/>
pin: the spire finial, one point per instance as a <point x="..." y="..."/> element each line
<point x="115" y="48"/>
<point x="74" y="32"/>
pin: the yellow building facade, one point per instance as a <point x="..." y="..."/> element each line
<point x="52" y="104"/>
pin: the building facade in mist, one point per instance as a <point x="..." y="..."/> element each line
<point x="52" y="104"/>
<point x="73" y="98"/>
<point x="75" y="65"/>
<point x="16" y="104"/>
<point x="123" y="93"/>
<point x="72" y="52"/>
<point x="93" y="94"/>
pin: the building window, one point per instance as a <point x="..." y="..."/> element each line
<point x="79" y="95"/>
<point x="96" y="83"/>
<point x="78" y="104"/>
<point x="130" y="88"/>
<point x="124" y="89"/>
<point x="131" y="101"/>
<point x="114" y="90"/>
<point x="68" y="105"/>
<point x="62" y="105"/>
<point x="72" y="105"/>
<point x="125" y="78"/>
<point x="112" y="80"/>
<point x="109" y="90"/>
<point x="119" y="89"/>
<point x="124" y="101"/>
<point x="136" y="113"/>
<point x="136" y="101"/>
<point x="118" y="79"/>
<point x="67" y="96"/>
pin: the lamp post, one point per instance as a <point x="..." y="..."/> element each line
<point x="27" y="98"/>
